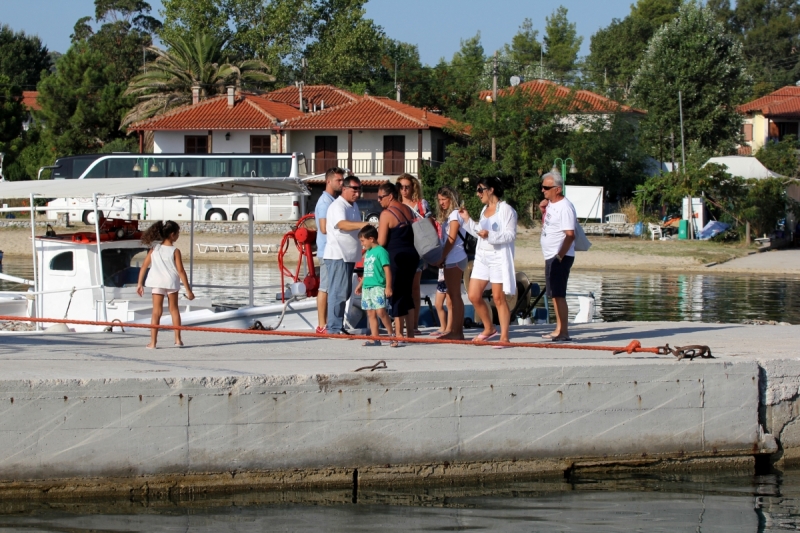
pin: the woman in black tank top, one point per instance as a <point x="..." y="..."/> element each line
<point x="397" y="236"/>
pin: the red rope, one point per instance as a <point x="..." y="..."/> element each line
<point x="633" y="347"/>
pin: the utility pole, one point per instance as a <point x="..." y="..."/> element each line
<point x="396" y="85"/>
<point x="494" y="105"/>
<point x="300" y="84"/>
<point x="672" y="140"/>
<point x="683" y="166"/>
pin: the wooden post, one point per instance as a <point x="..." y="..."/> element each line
<point x="350" y="150"/>
<point x="747" y="236"/>
<point x="210" y="142"/>
<point x="419" y="155"/>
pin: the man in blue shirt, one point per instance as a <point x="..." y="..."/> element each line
<point x="334" y="178"/>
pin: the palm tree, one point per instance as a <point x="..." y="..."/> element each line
<point x="167" y="81"/>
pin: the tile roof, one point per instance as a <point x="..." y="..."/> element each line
<point x="31" y="100"/>
<point x="313" y="94"/>
<point x="370" y="113"/>
<point x="744" y="150"/>
<point x="580" y="101"/>
<point x="366" y="182"/>
<point x="785" y="102"/>
<point x="250" y="112"/>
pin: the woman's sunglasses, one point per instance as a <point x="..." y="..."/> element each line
<point x="480" y="190"/>
<point x="405" y="187"/>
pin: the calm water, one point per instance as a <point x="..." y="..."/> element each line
<point x="712" y="503"/>
<point x="619" y="295"/>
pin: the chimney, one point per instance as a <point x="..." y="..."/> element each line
<point x="425" y="113"/>
<point x="195" y="94"/>
<point x="322" y="105"/>
<point x="231" y="96"/>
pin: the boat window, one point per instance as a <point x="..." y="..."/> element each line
<point x="117" y="269"/>
<point x="63" y="261"/>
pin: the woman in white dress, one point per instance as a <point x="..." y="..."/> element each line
<point x="494" y="257"/>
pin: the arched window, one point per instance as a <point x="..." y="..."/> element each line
<point x="62" y="261"/>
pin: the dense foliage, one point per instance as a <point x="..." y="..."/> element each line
<point x="694" y="55"/>
<point x="781" y="157"/>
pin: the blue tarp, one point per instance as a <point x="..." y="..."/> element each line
<point x="712" y="229"/>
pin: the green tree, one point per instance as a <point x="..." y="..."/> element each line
<point x="530" y="132"/>
<point x="22" y="58"/>
<point x="12" y="111"/>
<point x="83" y="101"/>
<point x="561" y="43"/>
<point x="168" y="80"/>
<point x="780" y="157"/>
<point x="456" y="84"/>
<point x="616" y="51"/>
<point x="692" y="54"/>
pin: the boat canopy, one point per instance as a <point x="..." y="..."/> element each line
<point x="151" y="188"/>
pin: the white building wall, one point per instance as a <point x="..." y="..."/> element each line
<point x="173" y="141"/>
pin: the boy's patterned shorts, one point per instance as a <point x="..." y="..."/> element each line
<point x="373" y="298"/>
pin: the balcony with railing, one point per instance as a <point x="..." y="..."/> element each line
<point x="370" y="167"/>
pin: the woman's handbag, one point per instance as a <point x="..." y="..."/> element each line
<point x="582" y="244"/>
<point x="426" y="240"/>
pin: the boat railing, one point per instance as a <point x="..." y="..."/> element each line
<point x="236" y="287"/>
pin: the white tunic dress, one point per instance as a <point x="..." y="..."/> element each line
<point x="163" y="272"/>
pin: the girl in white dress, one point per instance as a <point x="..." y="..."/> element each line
<point x="165" y="276"/>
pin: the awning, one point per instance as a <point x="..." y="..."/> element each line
<point x="151" y="187"/>
<point x="744" y="167"/>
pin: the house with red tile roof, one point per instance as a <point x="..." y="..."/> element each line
<point x="30" y="99"/>
<point x="572" y="101"/>
<point x="770" y="117"/>
<point x="372" y="136"/>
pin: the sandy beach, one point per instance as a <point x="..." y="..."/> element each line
<point x="607" y="253"/>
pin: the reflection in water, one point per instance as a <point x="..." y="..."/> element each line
<point x="619" y="295"/>
<point x="719" y="502"/>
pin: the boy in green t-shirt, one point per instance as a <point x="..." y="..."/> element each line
<point x="375" y="286"/>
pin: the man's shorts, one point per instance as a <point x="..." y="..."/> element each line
<point x="323" y="278"/>
<point x="373" y="298"/>
<point x="556" y="275"/>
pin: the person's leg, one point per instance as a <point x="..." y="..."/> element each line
<point x="175" y="312"/>
<point x="475" y="292"/>
<point x="503" y="312"/>
<point x="337" y="294"/>
<point x="415" y="288"/>
<point x="452" y="277"/>
<point x="440" y="312"/>
<point x="560" y="277"/>
<point x="383" y="315"/>
<point x="450" y="315"/>
<point x="548" y="288"/>
<point x="322" y="297"/>
<point x="399" y="323"/>
<point x="411" y="318"/>
<point x="372" y="318"/>
<point x="158" y="309"/>
<point x="562" y="317"/>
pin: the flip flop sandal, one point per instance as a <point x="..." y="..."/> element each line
<point x="548" y="336"/>
<point x="396" y="344"/>
<point x="561" y="339"/>
<point x="437" y="334"/>
<point x="485" y="338"/>
<point x="372" y="343"/>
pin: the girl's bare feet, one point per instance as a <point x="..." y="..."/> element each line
<point x="151" y="346"/>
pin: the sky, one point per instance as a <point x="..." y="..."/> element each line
<point x="436" y="26"/>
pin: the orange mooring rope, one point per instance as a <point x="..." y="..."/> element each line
<point x="632" y="347"/>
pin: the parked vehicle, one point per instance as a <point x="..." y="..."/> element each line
<point x="273" y="208"/>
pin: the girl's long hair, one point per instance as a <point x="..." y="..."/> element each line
<point x="416" y="188"/>
<point x="160" y="231"/>
<point x="455" y="203"/>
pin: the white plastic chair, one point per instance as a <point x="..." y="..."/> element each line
<point x="655" y="229"/>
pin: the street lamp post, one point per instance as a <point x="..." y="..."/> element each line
<point x="563" y="170"/>
<point x="143" y="168"/>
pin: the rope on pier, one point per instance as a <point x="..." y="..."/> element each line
<point x="632" y="347"/>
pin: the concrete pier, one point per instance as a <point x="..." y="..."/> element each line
<point x="99" y="414"/>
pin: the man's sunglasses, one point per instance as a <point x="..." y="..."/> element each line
<point x="384" y="196"/>
<point x="547" y="188"/>
<point x="352" y="187"/>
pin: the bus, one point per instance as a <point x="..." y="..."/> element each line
<point x="272" y="208"/>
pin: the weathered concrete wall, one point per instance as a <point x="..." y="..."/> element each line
<point x="378" y="423"/>
<point x="780" y="408"/>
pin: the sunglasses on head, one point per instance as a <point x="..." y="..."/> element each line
<point x="548" y="187"/>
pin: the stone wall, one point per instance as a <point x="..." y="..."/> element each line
<point x="608" y="229"/>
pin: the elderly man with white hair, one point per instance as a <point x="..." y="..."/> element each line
<point x="558" y="247"/>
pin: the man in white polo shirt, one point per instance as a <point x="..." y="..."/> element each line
<point x="558" y="247"/>
<point x="342" y="251"/>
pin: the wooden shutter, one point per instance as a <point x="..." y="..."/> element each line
<point x="195" y="144"/>
<point x="394" y="154"/>
<point x="326" y="153"/>
<point x="260" y="144"/>
<point x="748" y="132"/>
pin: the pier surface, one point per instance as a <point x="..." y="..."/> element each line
<point x="99" y="413"/>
